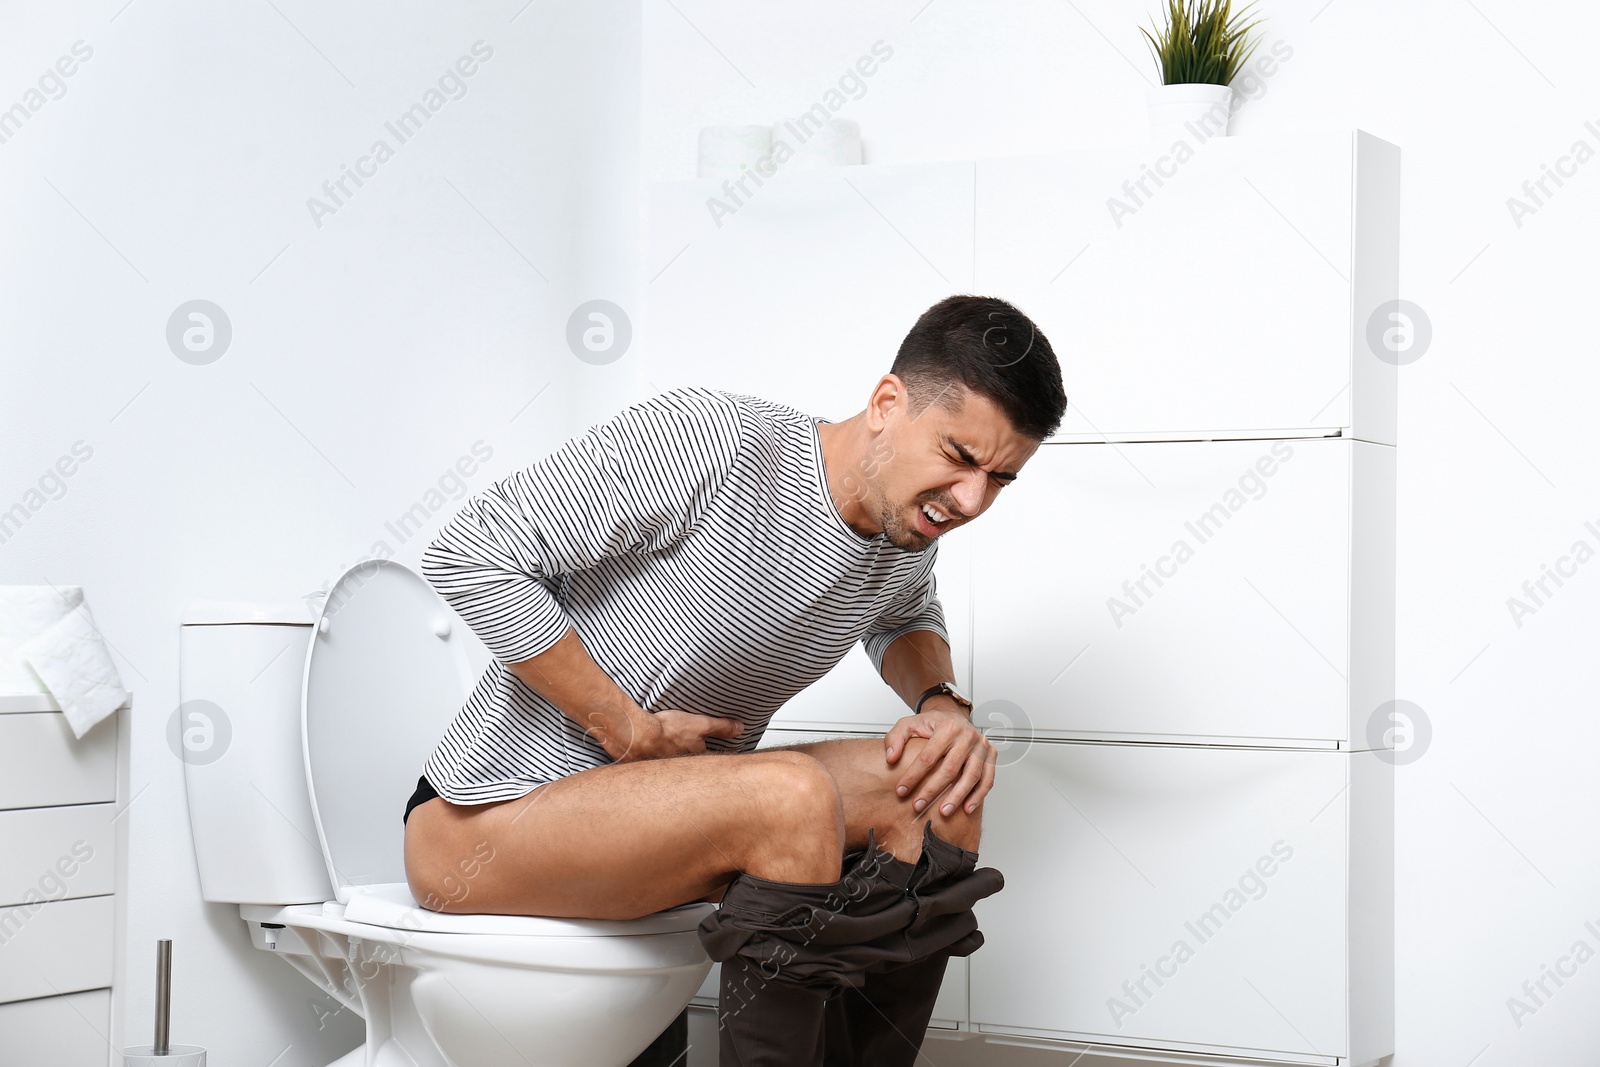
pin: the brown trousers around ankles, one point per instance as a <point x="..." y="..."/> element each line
<point x="843" y="973"/>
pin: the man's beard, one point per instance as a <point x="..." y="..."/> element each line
<point x="896" y="529"/>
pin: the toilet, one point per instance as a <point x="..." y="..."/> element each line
<point x="303" y="727"/>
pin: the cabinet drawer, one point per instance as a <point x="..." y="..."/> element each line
<point x="1233" y="293"/>
<point x="1190" y="590"/>
<point x="1161" y="894"/>
<point x="61" y="947"/>
<point x="42" y="764"/>
<point x="69" y="1031"/>
<point x="56" y="853"/>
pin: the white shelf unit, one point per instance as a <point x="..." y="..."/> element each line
<point x="59" y="867"/>
<point x="1154" y="756"/>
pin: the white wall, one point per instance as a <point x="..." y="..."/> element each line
<point x="374" y="350"/>
<point x="1497" y="867"/>
<point x="368" y="353"/>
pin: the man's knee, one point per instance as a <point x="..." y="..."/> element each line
<point x="799" y="785"/>
<point x="794" y="831"/>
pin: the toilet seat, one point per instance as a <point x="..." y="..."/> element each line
<point x="518" y="942"/>
<point x="391" y="905"/>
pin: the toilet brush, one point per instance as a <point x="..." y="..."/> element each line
<point x="163" y="1052"/>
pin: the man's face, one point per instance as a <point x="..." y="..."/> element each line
<point x="952" y="462"/>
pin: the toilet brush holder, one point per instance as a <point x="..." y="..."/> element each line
<point x="179" y="1056"/>
<point x="163" y="1053"/>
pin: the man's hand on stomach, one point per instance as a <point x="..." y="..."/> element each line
<point x="678" y="733"/>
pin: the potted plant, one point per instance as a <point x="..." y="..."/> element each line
<point x="1200" y="50"/>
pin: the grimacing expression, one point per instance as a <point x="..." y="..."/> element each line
<point x="953" y="462"/>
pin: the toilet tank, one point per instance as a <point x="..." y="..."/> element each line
<point x="237" y="730"/>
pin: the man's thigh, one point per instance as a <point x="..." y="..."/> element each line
<point x="628" y="839"/>
<point x="867" y="783"/>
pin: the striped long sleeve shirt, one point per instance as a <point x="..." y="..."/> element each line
<point x="692" y="542"/>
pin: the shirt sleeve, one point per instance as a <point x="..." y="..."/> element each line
<point x="634" y="484"/>
<point x="918" y="608"/>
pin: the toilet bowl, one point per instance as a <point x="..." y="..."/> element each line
<point x="303" y="727"/>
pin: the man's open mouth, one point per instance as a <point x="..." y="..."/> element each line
<point x="932" y="520"/>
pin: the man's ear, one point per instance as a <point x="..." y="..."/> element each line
<point x="888" y="396"/>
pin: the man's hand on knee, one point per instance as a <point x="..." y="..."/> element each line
<point x="954" y="755"/>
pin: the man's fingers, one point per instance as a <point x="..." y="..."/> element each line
<point x="962" y="790"/>
<point x="903" y="731"/>
<point x="949" y="770"/>
<point x="895" y="740"/>
<point x="722" y="727"/>
<point x="987" y="782"/>
<point x="927" y="758"/>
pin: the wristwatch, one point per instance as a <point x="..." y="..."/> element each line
<point x="946" y="688"/>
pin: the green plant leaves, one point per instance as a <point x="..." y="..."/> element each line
<point x="1204" y="42"/>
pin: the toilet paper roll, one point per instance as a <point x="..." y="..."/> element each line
<point x="72" y="660"/>
<point x="26" y="611"/>
<point x="180" y="1056"/>
<point x="835" y="143"/>
<point x="725" y="151"/>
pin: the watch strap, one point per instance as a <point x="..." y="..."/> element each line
<point x="945" y="688"/>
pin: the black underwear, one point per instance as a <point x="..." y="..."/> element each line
<point x="425" y="792"/>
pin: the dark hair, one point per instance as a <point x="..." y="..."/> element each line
<point x="991" y="348"/>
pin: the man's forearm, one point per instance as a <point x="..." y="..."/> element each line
<point x="915" y="661"/>
<point x="568" y="677"/>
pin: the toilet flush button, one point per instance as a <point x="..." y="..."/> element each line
<point x="441" y="628"/>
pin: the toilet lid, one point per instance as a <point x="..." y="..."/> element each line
<point x="386" y="672"/>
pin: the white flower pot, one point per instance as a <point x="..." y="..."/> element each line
<point x="1189" y="112"/>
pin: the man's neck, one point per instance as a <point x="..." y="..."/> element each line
<point x="844" y="451"/>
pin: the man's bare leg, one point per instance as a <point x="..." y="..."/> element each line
<point x="629" y="839"/>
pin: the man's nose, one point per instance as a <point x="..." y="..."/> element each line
<point x="968" y="494"/>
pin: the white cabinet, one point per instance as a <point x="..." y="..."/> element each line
<point x="1190" y="898"/>
<point x="1234" y="296"/>
<point x="1190" y="590"/>
<point x="1258" y="611"/>
<point x="58" y="860"/>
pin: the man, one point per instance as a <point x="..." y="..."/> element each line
<point x="658" y="587"/>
